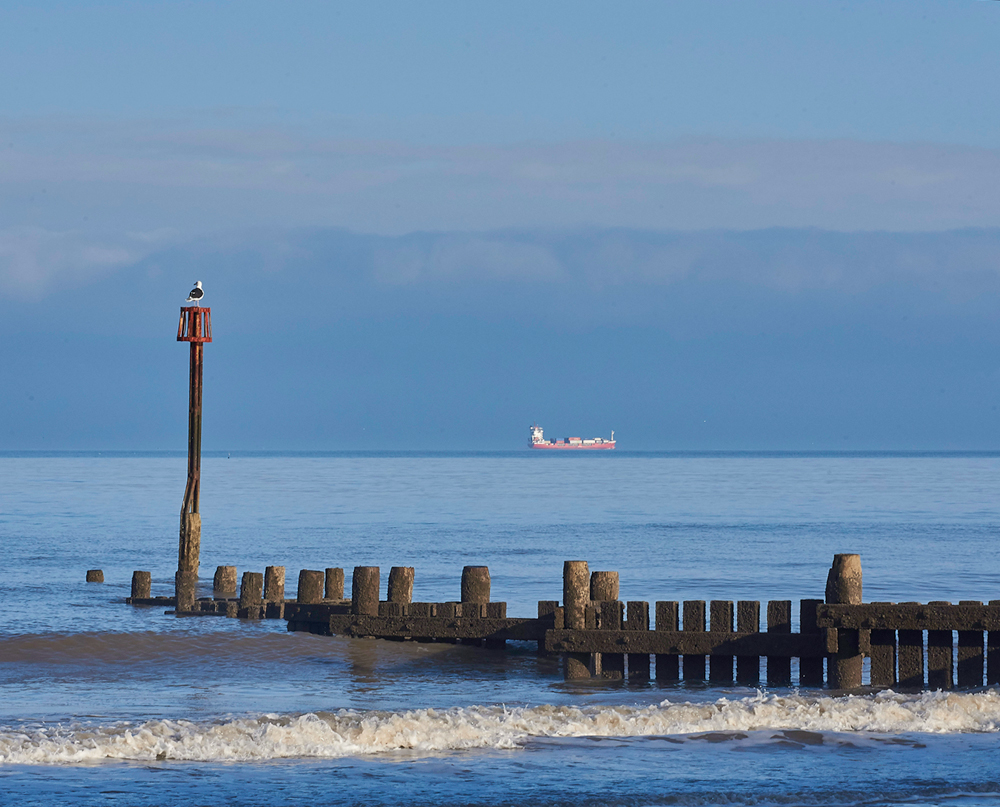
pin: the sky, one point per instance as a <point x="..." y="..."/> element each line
<point x="707" y="225"/>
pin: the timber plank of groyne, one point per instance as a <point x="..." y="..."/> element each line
<point x="436" y="627"/>
<point x="637" y="620"/>
<point x="693" y="643"/>
<point x="313" y="611"/>
<point x="151" y="601"/>
<point x="940" y="650"/>
<point x="407" y="627"/>
<point x="611" y="618"/>
<point x="694" y="622"/>
<point x="667" y="619"/>
<point x="993" y="654"/>
<point x="915" y="616"/>
<point x="810" y="669"/>
<point x="779" y="621"/>
<point x="882" y="652"/>
<point x="550" y="616"/>
<point x="747" y="621"/>
<point x="720" y="620"/>
<point x="970" y="655"/>
<point x="910" y="657"/>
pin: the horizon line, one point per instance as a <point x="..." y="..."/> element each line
<point x="525" y="451"/>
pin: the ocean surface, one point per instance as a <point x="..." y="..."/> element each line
<point x="104" y="703"/>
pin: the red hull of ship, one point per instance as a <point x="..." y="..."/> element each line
<point x="571" y="447"/>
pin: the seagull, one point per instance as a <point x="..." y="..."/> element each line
<point x="196" y="294"/>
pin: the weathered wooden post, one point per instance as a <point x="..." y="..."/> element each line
<point x="694" y="620"/>
<point x="576" y="598"/>
<point x="274" y="592"/>
<point x="720" y="620"/>
<point x="667" y="619"/>
<point x="970" y="654"/>
<point x="274" y="583"/>
<point x="779" y="620"/>
<point x="603" y="586"/>
<point x="310" y="588"/>
<point x="843" y="587"/>
<point x="993" y="654"/>
<point x="195" y="326"/>
<point x="399" y="592"/>
<point x="365" y="590"/>
<point x="475" y="591"/>
<point x="939" y="655"/>
<point x="334" y="584"/>
<point x="400" y="589"/>
<point x="882" y="667"/>
<point x="810" y="669"/>
<point x="474" y="596"/>
<point x="604" y="590"/>
<point x="748" y="621"/>
<point x="911" y="657"/>
<point x="251" y="595"/>
<point x="552" y="616"/>
<point x="141" y="585"/>
<point x="637" y="618"/>
<point x="224" y="581"/>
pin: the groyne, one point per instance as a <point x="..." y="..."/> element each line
<point x="841" y="642"/>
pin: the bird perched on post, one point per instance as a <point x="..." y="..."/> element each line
<point x="196" y="294"/>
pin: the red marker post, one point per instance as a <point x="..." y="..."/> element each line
<point x="195" y="326"/>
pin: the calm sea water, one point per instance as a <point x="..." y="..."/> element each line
<point x="102" y="703"/>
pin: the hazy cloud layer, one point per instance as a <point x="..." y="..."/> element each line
<point x="640" y="268"/>
<point x="35" y="261"/>
<point x="71" y="174"/>
<point x="465" y="257"/>
<point x="780" y="338"/>
<point x="952" y="265"/>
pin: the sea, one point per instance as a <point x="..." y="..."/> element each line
<point x="103" y="703"/>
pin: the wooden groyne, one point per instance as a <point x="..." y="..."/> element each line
<point x="840" y="642"/>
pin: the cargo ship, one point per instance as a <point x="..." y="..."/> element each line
<point x="571" y="443"/>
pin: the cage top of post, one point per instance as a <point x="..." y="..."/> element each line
<point x="195" y="324"/>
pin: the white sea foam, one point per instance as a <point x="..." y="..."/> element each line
<point x="429" y="731"/>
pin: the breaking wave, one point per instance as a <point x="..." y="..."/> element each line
<point x="431" y="731"/>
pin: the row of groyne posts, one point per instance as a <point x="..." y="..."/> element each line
<point x="907" y="645"/>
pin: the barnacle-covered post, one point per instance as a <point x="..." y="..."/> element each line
<point x="195" y="326"/>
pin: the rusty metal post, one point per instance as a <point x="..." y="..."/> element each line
<point x="195" y="327"/>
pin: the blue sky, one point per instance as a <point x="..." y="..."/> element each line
<point x="453" y="73"/>
<point x="801" y="196"/>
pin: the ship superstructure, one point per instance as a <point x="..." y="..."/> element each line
<point x="568" y="443"/>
